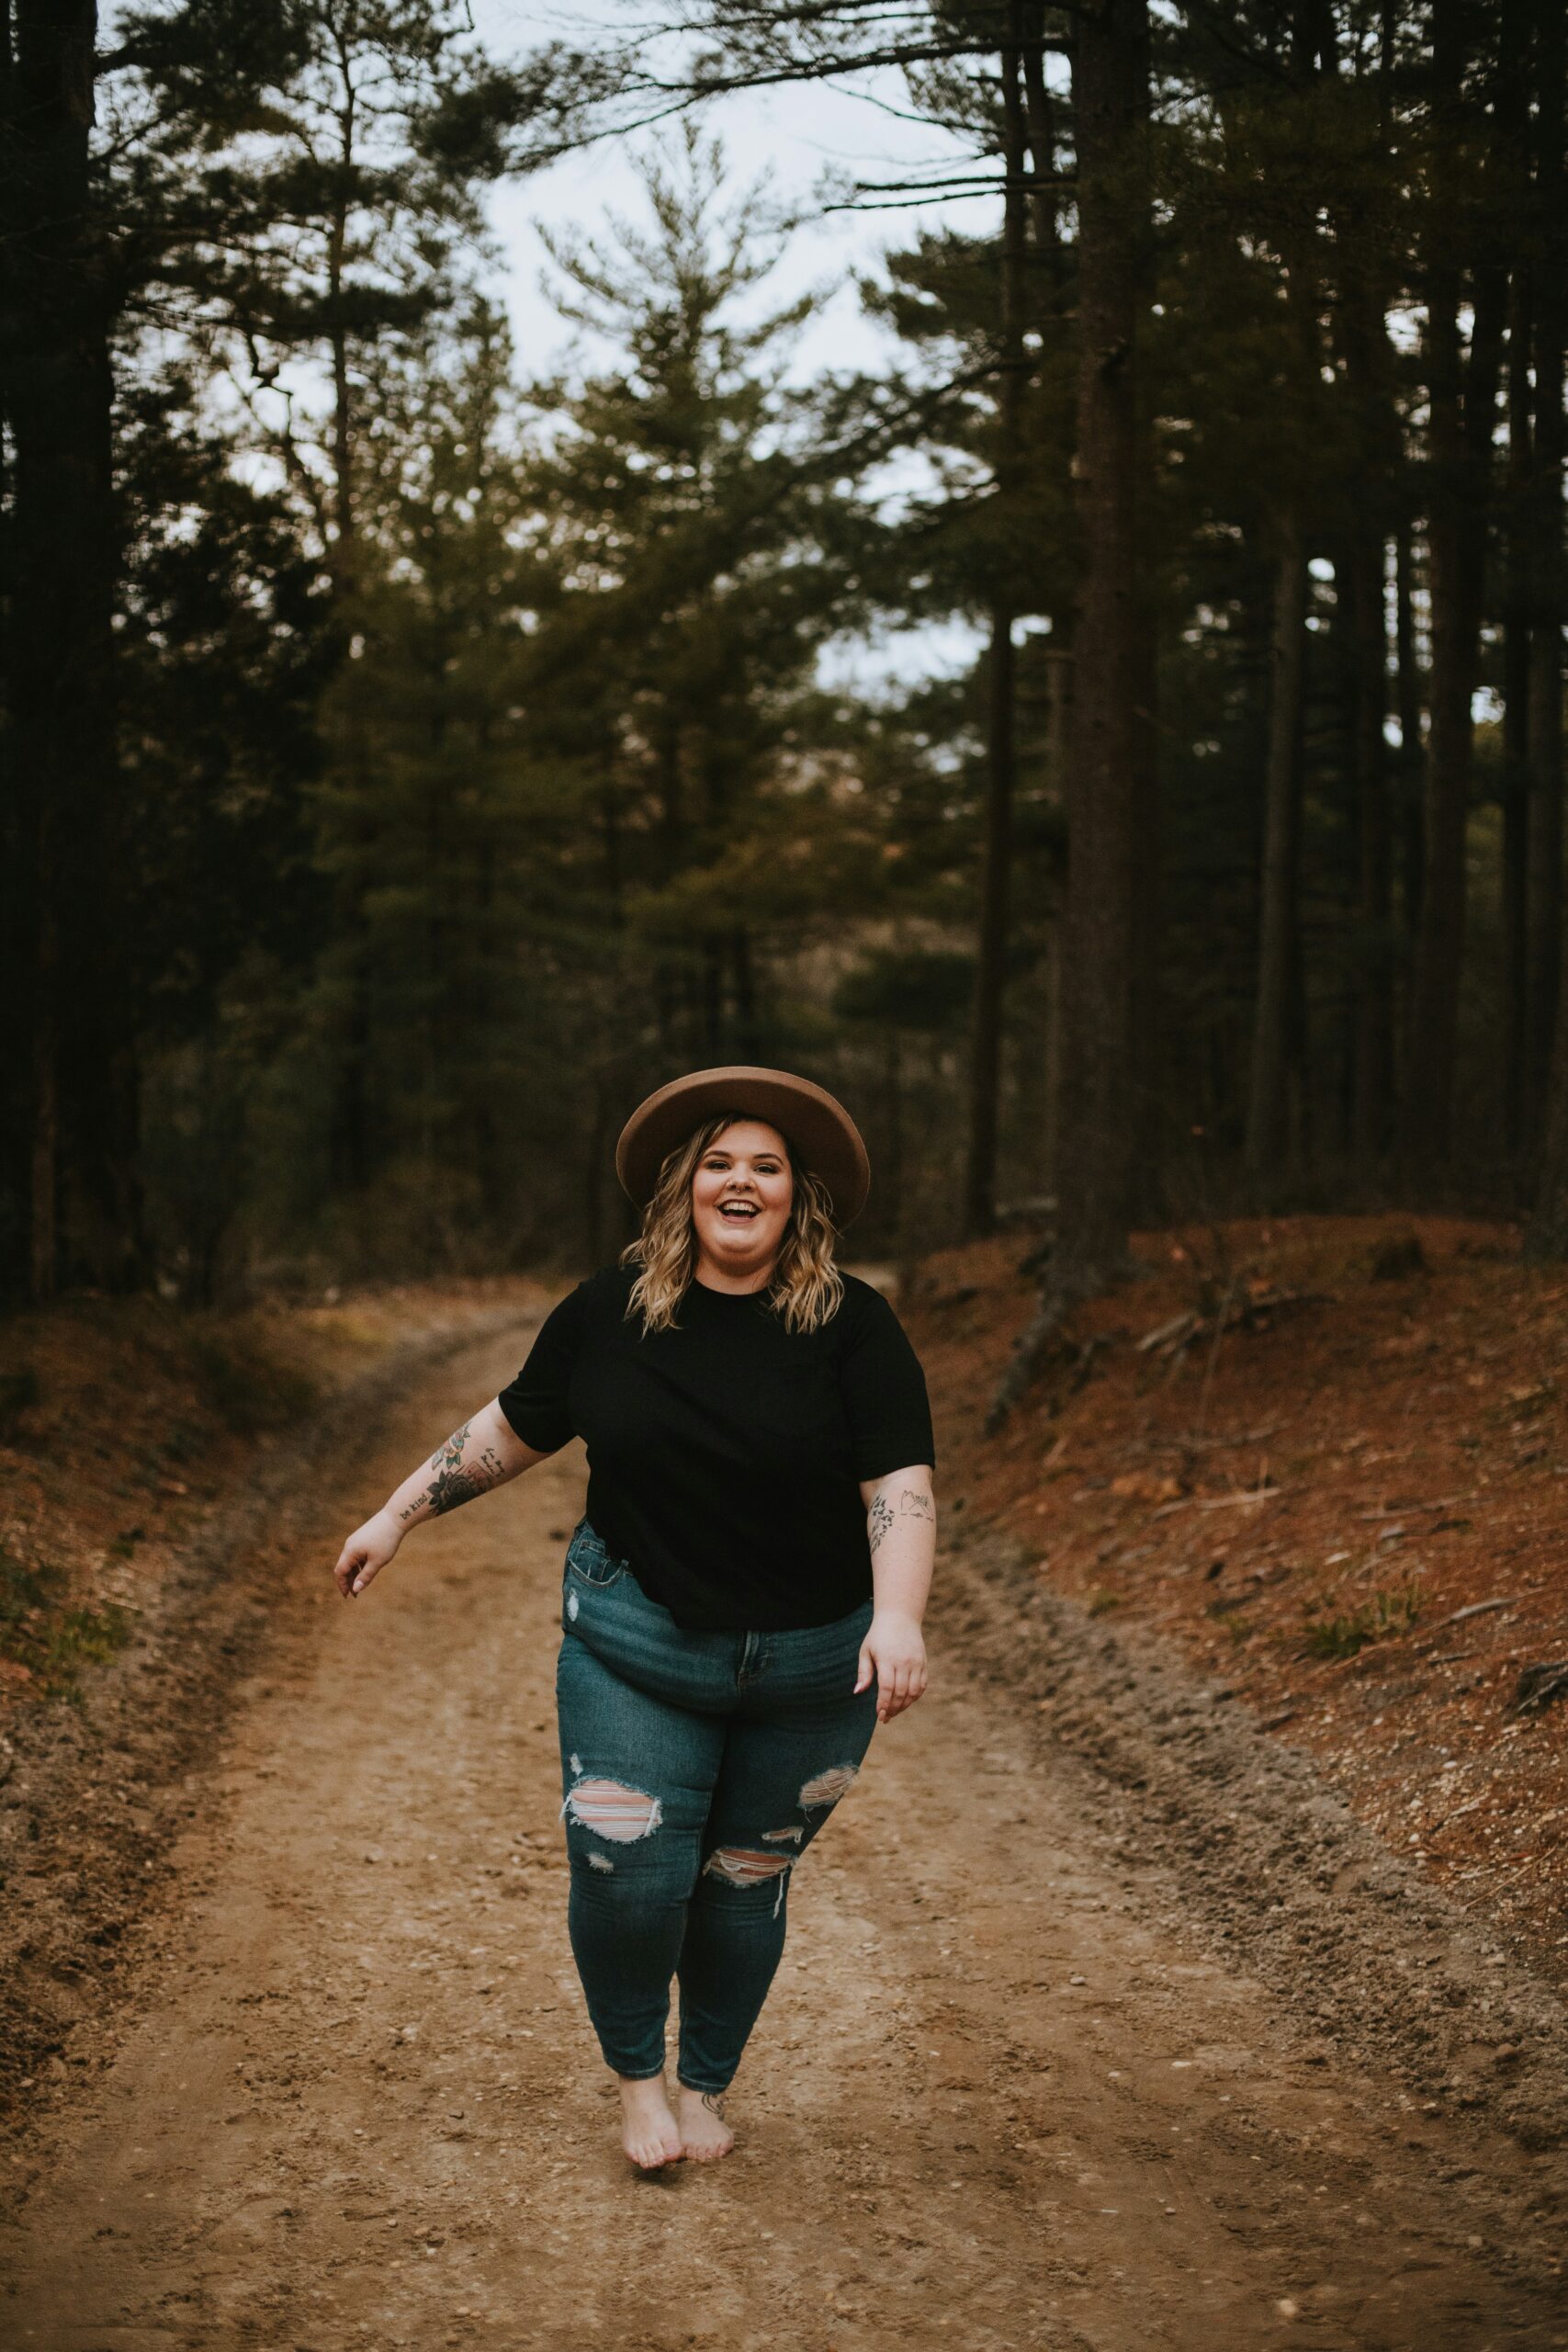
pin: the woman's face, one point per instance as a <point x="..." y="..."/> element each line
<point x="741" y="1193"/>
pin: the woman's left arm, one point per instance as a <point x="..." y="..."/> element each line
<point x="901" y="1526"/>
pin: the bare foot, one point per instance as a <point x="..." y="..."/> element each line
<point x="705" y="2134"/>
<point x="649" y="2134"/>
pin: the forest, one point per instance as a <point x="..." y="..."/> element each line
<point x="409" y="761"/>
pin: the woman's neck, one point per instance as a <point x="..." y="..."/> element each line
<point x="730" y="1280"/>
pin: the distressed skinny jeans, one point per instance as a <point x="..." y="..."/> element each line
<point x="695" y="1770"/>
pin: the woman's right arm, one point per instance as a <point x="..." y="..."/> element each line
<point x="485" y="1452"/>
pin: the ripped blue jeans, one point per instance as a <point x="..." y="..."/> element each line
<point x="695" y="1770"/>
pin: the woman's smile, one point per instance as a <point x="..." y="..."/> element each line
<point x="741" y="1193"/>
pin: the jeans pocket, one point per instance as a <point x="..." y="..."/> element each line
<point x="589" y="1558"/>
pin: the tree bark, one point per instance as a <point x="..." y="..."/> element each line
<point x="1108" y="790"/>
<point x="68" y="988"/>
<point x="1410" y="702"/>
<point x="1518" y="987"/>
<point x="1463" y="402"/>
<point x="990" y="969"/>
<point x="1544" y="714"/>
<point x="1269" y="1122"/>
<point x="1363" y="587"/>
<point x="995" y="859"/>
<point x="1059" y="664"/>
<point x="1547" y="1233"/>
<point x="1110" y="799"/>
<point x="1362" y="568"/>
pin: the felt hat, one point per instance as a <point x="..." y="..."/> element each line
<point x="825" y="1138"/>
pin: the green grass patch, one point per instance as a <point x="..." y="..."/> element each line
<point x="1101" y="1603"/>
<point x="1384" y="1614"/>
<point x="53" y="1642"/>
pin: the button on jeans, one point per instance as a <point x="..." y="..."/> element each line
<point x="695" y="1770"/>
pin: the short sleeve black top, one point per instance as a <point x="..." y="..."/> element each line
<point x="725" y="1452"/>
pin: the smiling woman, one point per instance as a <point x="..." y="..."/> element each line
<point x="743" y="1597"/>
<point x="740" y="1199"/>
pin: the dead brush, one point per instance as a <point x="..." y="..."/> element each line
<point x="1379" y="1618"/>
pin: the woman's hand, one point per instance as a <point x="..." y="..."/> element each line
<point x="893" y="1651"/>
<point x="365" y="1553"/>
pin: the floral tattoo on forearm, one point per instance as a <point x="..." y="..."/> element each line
<point x="913" y="1503"/>
<point x="457" y="1482"/>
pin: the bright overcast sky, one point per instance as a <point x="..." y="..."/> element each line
<point x="792" y="136"/>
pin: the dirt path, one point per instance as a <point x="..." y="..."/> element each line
<point x="1000" y="2098"/>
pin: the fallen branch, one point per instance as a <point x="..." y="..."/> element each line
<point x="1238" y="1311"/>
<point x="1220" y="1502"/>
<point x="1475" y="1609"/>
<point x="1405" y="1510"/>
<point x="1181" y="1326"/>
<point x="1198" y="1444"/>
<point x="1538" y="1687"/>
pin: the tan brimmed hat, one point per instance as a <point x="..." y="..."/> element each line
<point x="825" y="1138"/>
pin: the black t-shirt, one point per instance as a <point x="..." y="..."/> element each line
<point x="725" y="1452"/>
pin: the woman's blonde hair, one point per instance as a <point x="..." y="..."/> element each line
<point x="806" y="1286"/>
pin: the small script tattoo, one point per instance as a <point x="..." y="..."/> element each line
<point x="881" y="1519"/>
<point x="457" y="1482"/>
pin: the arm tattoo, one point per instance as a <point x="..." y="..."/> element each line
<point x="457" y="1482"/>
<point x="913" y="1503"/>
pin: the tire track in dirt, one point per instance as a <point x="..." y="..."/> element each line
<point x="998" y="2100"/>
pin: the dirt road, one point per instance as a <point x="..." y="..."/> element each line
<point x="1002" y="2097"/>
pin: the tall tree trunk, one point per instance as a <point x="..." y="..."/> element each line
<point x="1548" y="1234"/>
<point x="1059" y="664"/>
<point x="43" y="1174"/>
<point x="1463" y="402"/>
<point x="1362" y="573"/>
<point x="1363" y="587"/>
<point x="67" y="994"/>
<point x="1517" y="984"/>
<point x="1410" y="696"/>
<point x="1543" y="715"/>
<point x="1110" y="794"/>
<point x="353" y="1148"/>
<point x="708" y="984"/>
<point x="743" y="985"/>
<point x="990" y="967"/>
<point x="1107" y="788"/>
<point x="1269" y="1122"/>
<point x="990" y="970"/>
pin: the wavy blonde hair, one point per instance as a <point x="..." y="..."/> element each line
<point x="806" y="1286"/>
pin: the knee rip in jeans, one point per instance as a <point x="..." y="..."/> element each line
<point x="827" y="1788"/>
<point x="739" y="1866"/>
<point x="613" y="1810"/>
